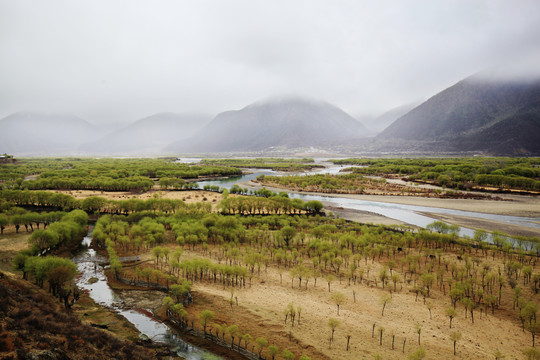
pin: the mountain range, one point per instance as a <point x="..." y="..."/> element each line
<point x="494" y="116"/>
<point x="148" y="136"/>
<point x="480" y="114"/>
<point x="278" y="122"/>
<point x="31" y="133"/>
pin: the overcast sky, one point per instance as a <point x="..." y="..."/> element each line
<point x="111" y="60"/>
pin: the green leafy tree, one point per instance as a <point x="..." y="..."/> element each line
<point x="338" y="299"/>
<point x="205" y="317"/>
<point x="385" y="300"/>
<point x="332" y="324"/>
<point x="455" y="337"/>
<point x="451" y="313"/>
<point x="273" y="350"/>
<point x="418" y="354"/>
<point x="287" y="355"/>
<point x="261" y="344"/>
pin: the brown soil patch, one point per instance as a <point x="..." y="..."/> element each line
<point x="189" y="196"/>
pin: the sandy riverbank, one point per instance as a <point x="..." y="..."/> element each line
<point x="514" y="205"/>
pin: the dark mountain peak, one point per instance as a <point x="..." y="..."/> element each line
<point x="472" y="106"/>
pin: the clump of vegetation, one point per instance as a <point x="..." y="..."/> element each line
<point x="459" y="173"/>
<point x="277" y="164"/>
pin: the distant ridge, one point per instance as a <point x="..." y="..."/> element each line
<point x="288" y="122"/>
<point x="30" y="133"/>
<point x="379" y="123"/>
<point x="148" y="135"/>
<point x="496" y="116"/>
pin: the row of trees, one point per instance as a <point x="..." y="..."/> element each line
<point x="335" y="247"/>
<point x="93" y="204"/>
<point x="67" y="232"/>
<point x="277" y="164"/>
<point x="272" y="205"/>
<point x="462" y="173"/>
<point x="133" y="184"/>
<point x="58" y="272"/>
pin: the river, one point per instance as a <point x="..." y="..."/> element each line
<point x="88" y="265"/>
<point x="410" y="214"/>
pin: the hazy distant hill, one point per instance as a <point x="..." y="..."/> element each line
<point x="284" y="122"/>
<point x="477" y="114"/>
<point x="149" y="135"/>
<point x="30" y="133"/>
<point x="381" y="122"/>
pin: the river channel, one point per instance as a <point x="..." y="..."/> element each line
<point x="88" y="265"/>
<point x="410" y="214"/>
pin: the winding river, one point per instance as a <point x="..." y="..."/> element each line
<point x="88" y="265"/>
<point x="101" y="293"/>
<point x="410" y="214"/>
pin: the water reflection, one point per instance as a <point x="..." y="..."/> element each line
<point x="92" y="279"/>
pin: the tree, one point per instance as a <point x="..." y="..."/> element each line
<point x="247" y="339"/>
<point x="383" y="275"/>
<point x="288" y="233"/>
<point x="44" y="240"/>
<point x="455" y="337"/>
<point x="385" y="299"/>
<point x="531" y="353"/>
<point x="418" y="329"/>
<point x="498" y="355"/>
<point x="4" y="221"/>
<point x="232" y="330"/>
<point x="287" y="355"/>
<point x="338" y="299"/>
<point x="329" y="279"/>
<point x="380" y="330"/>
<point x="427" y="279"/>
<point x="429" y="306"/>
<point x="534" y="328"/>
<point x="451" y="313"/>
<point x="395" y="279"/>
<point x="261" y="344"/>
<point x="304" y="357"/>
<point x="419" y="354"/>
<point x="205" y="317"/>
<point x="273" y="350"/>
<point x="333" y="324"/>
<point x="314" y="206"/>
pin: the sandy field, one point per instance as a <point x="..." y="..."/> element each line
<point x="260" y="308"/>
<point x="189" y="197"/>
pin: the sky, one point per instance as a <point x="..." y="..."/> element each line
<point x="111" y="61"/>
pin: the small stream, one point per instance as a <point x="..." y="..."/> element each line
<point x="88" y="266"/>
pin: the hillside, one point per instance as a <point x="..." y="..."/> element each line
<point x="476" y="114"/>
<point x="149" y="135"/>
<point x="27" y="133"/>
<point x="33" y="325"/>
<point x="285" y="122"/>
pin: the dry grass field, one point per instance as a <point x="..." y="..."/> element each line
<point x="260" y="312"/>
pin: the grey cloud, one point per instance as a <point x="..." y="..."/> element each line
<point x="110" y="61"/>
